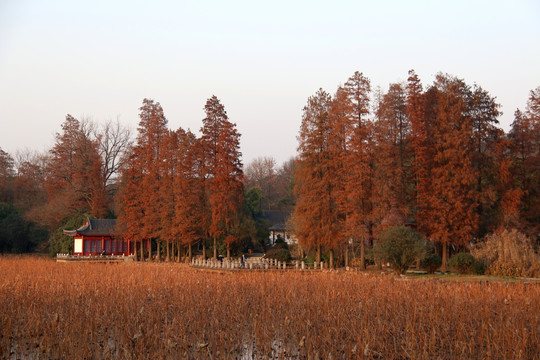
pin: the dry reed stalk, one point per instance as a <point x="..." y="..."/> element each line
<point x="139" y="311"/>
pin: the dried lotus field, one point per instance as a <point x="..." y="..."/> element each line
<point x="55" y="310"/>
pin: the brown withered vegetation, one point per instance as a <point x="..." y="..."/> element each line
<point x="170" y="311"/>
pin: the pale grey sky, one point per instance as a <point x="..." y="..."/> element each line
<point x="262" y="59"/>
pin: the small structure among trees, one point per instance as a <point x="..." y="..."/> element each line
<point x="99" y="237"/>
<point x="279" y="226"/>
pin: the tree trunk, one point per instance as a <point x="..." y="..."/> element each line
<point x="149" y="249"/>
<point x="318" y="255"/>
<point x="347" y="255"/>
<point x="135" y="257"/>
<point x="189" y="252"/>
<point x="331" y="258"/>
<point x="168" y="251"/>
<point x="158" y="257"/>
<point x="215" y="248"/>
<point x="444" y="266"/>
<point x="142" y="250"/>
<point x="228" y="252"/>
<point x="362" y="255"/>
<point x="204" y="250"/>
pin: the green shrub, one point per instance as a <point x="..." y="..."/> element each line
<point x="400" y="246"/>
<point x="279" y="254"/>
<point x="463" y="263"/>
<point x="60" y="243"/>
<point x="310" y="259"/>
<point x="479" y="267"/>
<point x="431" y="263"/>
<point x="280" y="243"/>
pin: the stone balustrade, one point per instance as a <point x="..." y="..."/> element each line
<point x="255" y="263"/>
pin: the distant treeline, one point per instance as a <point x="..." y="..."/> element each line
<point x="432" y="157"/>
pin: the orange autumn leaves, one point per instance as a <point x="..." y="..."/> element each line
<point x="433" y="155"/>
<point x="182" y="189"/>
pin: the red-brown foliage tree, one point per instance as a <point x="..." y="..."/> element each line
<point x="418" y="104"/>
<point x="29" y="190"/>
<point x="167" y="195"/>
<point x="359" y="174"/>
<point x="191" y="208"/>
<point x="221" y="146"/>
<point x="453" y="200"/>
<point x="73" y="176"/>
<point x="392" y="159"/>
<point x="316" y="215"/>
<point x="143" y="178"/>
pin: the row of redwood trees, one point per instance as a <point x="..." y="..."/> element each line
<point x="180" y="189"/>
<point x="432" y="156"/>
<point x="170" y="187"/>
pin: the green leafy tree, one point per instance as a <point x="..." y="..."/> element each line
<point x="63" y="244"/>
<point x="524" y="139"/>
<point x="18" y="235"/>
<point x="7" y="175"/>
<point x="400" y="246"/>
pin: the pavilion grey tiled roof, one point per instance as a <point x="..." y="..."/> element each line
<point x="95" y="227"/>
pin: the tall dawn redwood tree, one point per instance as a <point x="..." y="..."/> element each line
<point x="131" y="201"/>
<point x="453" y="200"/>
<point x="359" y="174"/>
<point x="487" y="142"/>
<point x="167" y="194"/>
<point x="524" y="139"/>
<point x="191" y="210"/>
<point x="317" y="211"/>
<point x="144" y="176"/>
<point x="221" y="146"/>
<point x="417" y="107"/>
<point x="392" y="157"/>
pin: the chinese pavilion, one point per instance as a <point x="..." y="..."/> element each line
<point x="99" y="237"/>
